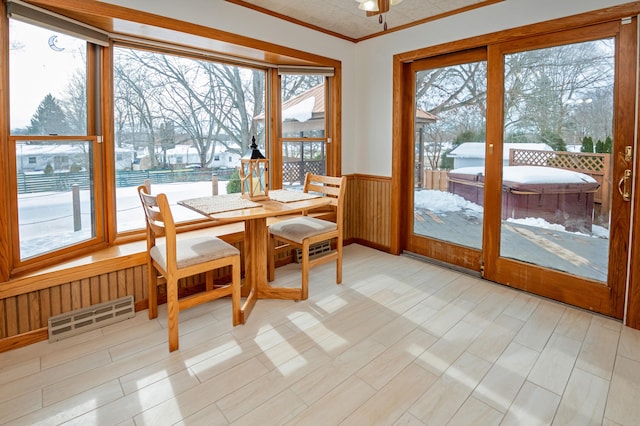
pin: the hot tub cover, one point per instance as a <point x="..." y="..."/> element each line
<point x="533" y="179"/>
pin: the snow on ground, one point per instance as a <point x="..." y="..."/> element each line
<point x="443" y="202"/>
<point x="46" y="219"/>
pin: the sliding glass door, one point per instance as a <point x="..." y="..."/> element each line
<point x="523" y="163"/>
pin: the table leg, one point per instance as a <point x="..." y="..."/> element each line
<point x="255" y="285"/>
<point x="255" y="262"/>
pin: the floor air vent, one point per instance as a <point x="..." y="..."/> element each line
<point x="89" y="318"/>
<point x="315" y="250"/>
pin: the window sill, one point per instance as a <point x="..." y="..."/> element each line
<point x="116" y="257"/>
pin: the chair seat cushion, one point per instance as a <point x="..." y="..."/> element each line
<point x="299" y="228"/>
<point x="191" y="251"/>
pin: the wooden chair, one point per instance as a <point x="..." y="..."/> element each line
<point x="177" y="257"/>
<point x="303" y="231"/>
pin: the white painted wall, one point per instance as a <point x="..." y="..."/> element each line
<point x="375" y="60"/>
<point x="367" y="66"/>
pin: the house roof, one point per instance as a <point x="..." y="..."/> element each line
<point x="477" y="149"/>
<point x="306" y="105"/>
<point x="425" y="117"/>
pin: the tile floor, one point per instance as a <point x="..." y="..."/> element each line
<point x="400" y="342"/>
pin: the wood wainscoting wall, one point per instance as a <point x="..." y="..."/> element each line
<point x="26" y="303"/>
<point x="368" y="211"/>
<point x="24" y="317"/>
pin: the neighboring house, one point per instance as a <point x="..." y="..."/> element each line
<point x="303" y="115"/>
<point x="472" y="154"/>
<point x="226" y="160"/>
<point x="125" y="157"/>
<point x="35" y="158"/>
<point x="187" y="155"/>
<point x="182" y="155"/>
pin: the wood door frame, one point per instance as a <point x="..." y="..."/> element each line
<point x="402" y="169"/>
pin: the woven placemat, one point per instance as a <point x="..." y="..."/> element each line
<point x="219" y="203"/>
<point x="288" y="196"/>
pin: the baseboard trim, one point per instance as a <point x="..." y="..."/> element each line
<point x="24" y="339"/>
<point x="366" y="243"/>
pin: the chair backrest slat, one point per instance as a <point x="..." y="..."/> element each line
<point x="330" y="186"/>
<point x="159" y="220"/>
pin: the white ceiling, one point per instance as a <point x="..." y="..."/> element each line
<point x="344" y="18"/>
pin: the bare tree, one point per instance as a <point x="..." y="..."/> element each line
<point x="549" y="90"/>
<point x="558" y="94"/>
<point x="295" y="84"/>
<point x="135" y="92"/>
<point x="208" y="103"/>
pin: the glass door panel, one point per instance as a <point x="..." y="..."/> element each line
<point x="449" y="149"/>
<point x="558" y="133"/>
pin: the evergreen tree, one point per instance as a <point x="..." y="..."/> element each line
<point x="587" y="144"/>
<point x="49" y="119"/>
<point x="234" y="185"/>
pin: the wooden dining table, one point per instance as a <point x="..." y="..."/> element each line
<point x="231" y="208"/>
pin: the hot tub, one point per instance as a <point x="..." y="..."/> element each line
<point x="559" y="196"/>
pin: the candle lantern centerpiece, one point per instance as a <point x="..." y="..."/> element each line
<point x="254" y="174"/>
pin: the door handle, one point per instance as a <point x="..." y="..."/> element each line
<point x="623" y="185"/>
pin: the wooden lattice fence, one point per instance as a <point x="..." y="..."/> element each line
<point x="595" y="165"/>
<point x="295" y="171"/>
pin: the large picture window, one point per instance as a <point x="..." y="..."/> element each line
<point x="181" y="125"/>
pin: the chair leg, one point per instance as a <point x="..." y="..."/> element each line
<point x="305" y="271"/>
<point x="236" y="287"/>
<point x="152" y="293"/>
<point x="172" y="313"/>
<point x="271" y="258"/>
<point x="339" y="262"/>
<point x="208" y="286"/>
